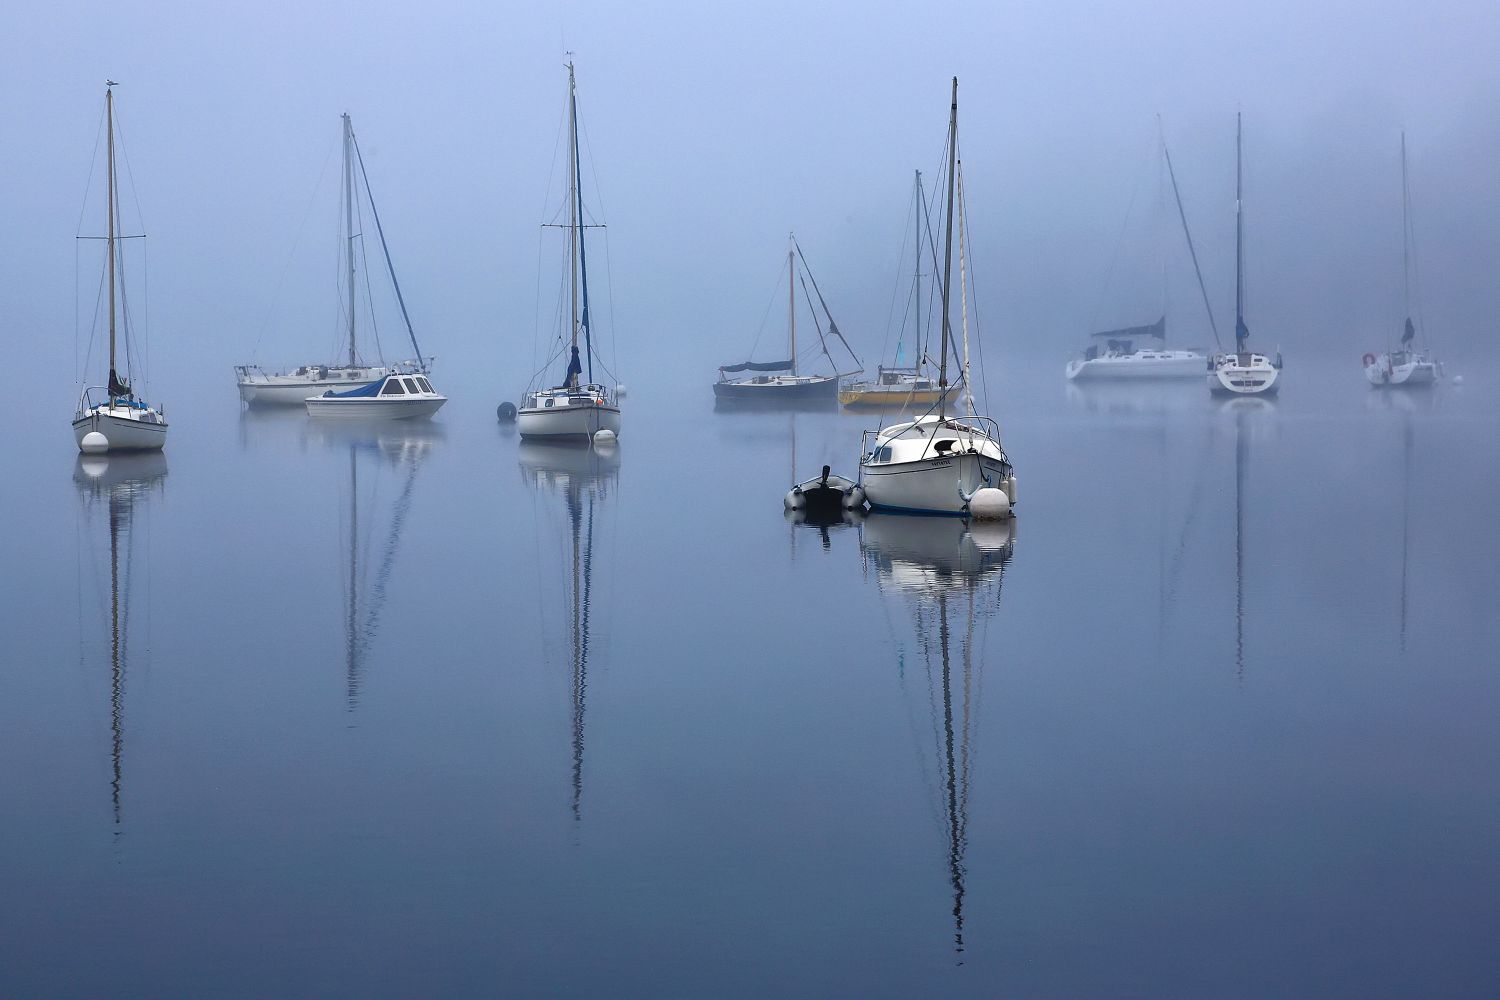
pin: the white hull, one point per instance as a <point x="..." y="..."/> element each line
<point x="268" y="393"/>
<point x="929" y="486"/>
<point x="1234" y="378"/>
<point x="373" y="408"/>
<point x="1145" y="365"/>
<point x="125" y="431"/>
<point x="1413" y="373"/>
<point x="573" y="421"/>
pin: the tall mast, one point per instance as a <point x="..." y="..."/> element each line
<point x="583" y="257"/>
<point x="573" y="220"/>
<point x="948" y="252"/>
<point x="791" y="304"/>
<point x="1405" y="234"/>
<point x="349" y="227"/>
<point x="1239" y="242"/>
<point x="917" y="301"/>
<point x="109" y="113"/>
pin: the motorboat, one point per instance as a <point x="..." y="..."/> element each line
<point x="395" y="397"/>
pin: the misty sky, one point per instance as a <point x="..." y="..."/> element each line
<point x="714" y="130"/>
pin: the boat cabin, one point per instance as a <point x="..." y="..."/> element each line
<point x="572" y="395"/>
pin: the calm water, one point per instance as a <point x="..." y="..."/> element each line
<point x="428" y="711"/>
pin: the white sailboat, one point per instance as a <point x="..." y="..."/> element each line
<point x="578" y="408"/>
<point x="938" y="463"/>
<point x="779" y="382"/>
<point x="111" y="417"/>
<point x="1120" y="356"/>
<point x="292" y="386"/>
<point x="900" y="385"/>
<point x="1243" y="373"/>
<point x="1404" y="365"/>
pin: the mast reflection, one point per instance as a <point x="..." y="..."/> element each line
<point x="948" y="572"/>
<point x="583" y="475"/>
<point x="120" y="487"/>
<point x="382" y="452"/>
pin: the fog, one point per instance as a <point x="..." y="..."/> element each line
<point x="713" y="130"/>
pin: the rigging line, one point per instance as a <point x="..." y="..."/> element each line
<point x="775" y="297"/>
<point x="968" y="250"/>
<point x="833" y="327"/>
<point x="286" y="263"/>
<point x="885" y="342"/>
<point x="1192" y="251"/>
<point x="1094" y="318"/>
<point x="817" y="326"/>
<point x="614" y="341"/>
<point x="386" y="250"/>
<point x="93" y="164"/>
<point x="364" y="260"/>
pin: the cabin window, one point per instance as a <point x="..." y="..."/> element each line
<point x="548" y="403"/>
<point x="426" y="386"/>
<point x="393" y="388"/>
<point x="883" y="453"/>
<point x="411" y="386"/>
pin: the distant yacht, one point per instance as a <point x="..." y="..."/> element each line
<point x="292" y="386"/>
<point x="111" y="417"/>
<point x="1129" y="352"/>
<point x="778" y="382"/>
<point x="1243" y="373"/>
<point x="1404" y="365"/>
<point x="904" y="385"/>
<point x="578" y="407"/>
<point x="938" y="463"/>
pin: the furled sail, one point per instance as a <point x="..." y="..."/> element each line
<point x="757" y="366"/>
<point x="1409" y="333"/>
<point x="1157" y="330"/>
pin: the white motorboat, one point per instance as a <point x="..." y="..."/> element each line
<point x="788" y="386"/>
<point x="1404" y="365"/>
<point x="1243" y="372"/>
<point x="110" y="417"/>
<point x="292" y="386"/>
<point x="578" y="407"/>
<point x="938" y="463"/>
<point x="395" y="397"/>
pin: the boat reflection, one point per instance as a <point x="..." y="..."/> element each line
<point x="380" y="457"/>
<point x="583" y="476"/>
<point x="948" y="573"/>
<point x="119" y="488"/>
<point x="1131" y="399"/>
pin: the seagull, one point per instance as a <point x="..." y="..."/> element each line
<point x="110" y="83"/>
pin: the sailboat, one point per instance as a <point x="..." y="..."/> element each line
<point x="576" y="408"/>
<point x="292" y="386"/>
<point x="938" y="463"/>
<point x="904" y="385"/>
<point x="789" y="386"/>
<point x="951" y="573"/>
<point x="1128" y="352"/>
<point x="1404" y="365"/>
<point x="111" y="417"/>
<point x="584" y="477"/>
<point x="1243" y="373"/>
<point x="119" y="483"/>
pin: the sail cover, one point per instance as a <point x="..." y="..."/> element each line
<point x="575" y="368"/>
<point x="1409" y="332"/>
<point x="1157" y="330"/>
<point x="757" y="366"/>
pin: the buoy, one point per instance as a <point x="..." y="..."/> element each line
<point x="506" y="412"/>
<point x="989" y="504"/>
<point x="604" y="436"/>
<point x="795" y="499"/>
<point x="94" y="443"/>
<point x="619" y="392"/>
<point x="855" y="498"/>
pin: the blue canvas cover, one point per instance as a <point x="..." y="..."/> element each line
<point x="373" y="389"/>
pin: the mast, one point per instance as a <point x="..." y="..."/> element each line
<point x="948" y="252"/>
<point x="349" y="226"/>
<point x="963" y="293"/>
<point x="109" y="113"/>
<point x="1405" y="236"/>
<point x="917" y="277"/>
<point x="791" y="303"/>
<point x="1240" y="332"/>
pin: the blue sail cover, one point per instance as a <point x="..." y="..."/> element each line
<point x="373" y="389"/>
<point x="575" y="369"/>
<point x="1157" y="330"/>
<point x="757" y="366"/>
<point x="1409" y="332"/>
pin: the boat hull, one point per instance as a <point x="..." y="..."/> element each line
<point x="1176" y="364"/>
<point x="125" y="430"/>
<point x="931" y="485"/>
<point x="260" y="393"/>
<point x="575" y="421"/>
<point x="773" y="392"/>
<point x="891" y="398"/>
<point x="1413" y="374"/>
<point x="373" y="408"/>
<point x="1244" y="380"/>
